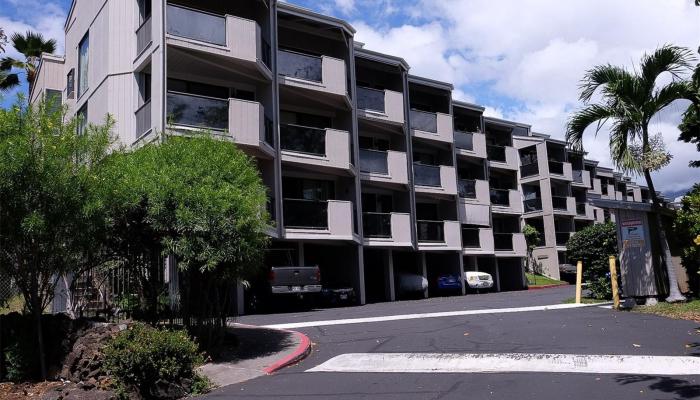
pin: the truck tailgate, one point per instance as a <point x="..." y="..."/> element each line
<point x="294" y="276"/>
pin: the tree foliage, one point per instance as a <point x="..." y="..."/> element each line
<point x="655" y="156"/>
<point x="690" y="125"/>
<point x="49" y="222"/>
<point x="687" y="229"/>
<point x="3" y="40"/>
<point x="594" y="245"/>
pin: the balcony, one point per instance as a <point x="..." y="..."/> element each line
<point x="318" y="73"/>
<point x="532" y="205"/>
<point x="382" y="105"/>
<point x="596" y="186"/>
<point x="384" y="166"/>
<point x="327" y="148"/>
<point x="528" y="170"/>
<point x="584" y="211"/>
<point x="477" y="241"/>
<point x="387" y="229"/>
<point x="470" y="144"/>
<point x="229" y="36"/>
<point x="474" y="190"/>
<point x="502" y="157"/>
<point x="242" y="121"/>
<point x="562" y="238"/>
<point x="143" y="119"/>
<point x="564" y="204"/>
<point x="512" y="244"/>
<point x="581" y="178"/>
<point x="438" y="235"/>
<point x="507" y="201"/>
<point x="144" y="36"/>
<point x="561" y="169"/>
<point x="434" y="179"/>
<point x="430" y="125"/>
<point x="314" y="219"/>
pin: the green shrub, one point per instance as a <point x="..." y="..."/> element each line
<point x="142" y="355"/>
<point x="594" y="245"/>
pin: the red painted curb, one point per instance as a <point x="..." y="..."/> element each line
<point x="547" y="286"/>
<point x="302" y="350"/>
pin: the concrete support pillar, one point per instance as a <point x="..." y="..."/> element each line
<point x="239" y="292"/>
<point x="497" y="276"/>
<point x="461" y="273"/>
<point x="389" y="287"/>
<point x="173" y="279"/>
<point x="362" y="295"/>
<point x="424" y="265"/>
<point x="301" y="254"/>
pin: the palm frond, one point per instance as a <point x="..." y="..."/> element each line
<point x="8" y="81"/>
<point x="598" y="76"/>
<point x="668" y="94"/>
<point x="667" y="58"/>
<point x="582" y="119"/>
<point x="32" y="44"/>
<point x="7" y="63"/>
<point x="622" y="132"/>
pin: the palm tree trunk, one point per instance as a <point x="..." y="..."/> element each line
<point x="674" y="293"/>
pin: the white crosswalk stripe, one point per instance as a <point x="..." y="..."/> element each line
<point x="510" y="362"/>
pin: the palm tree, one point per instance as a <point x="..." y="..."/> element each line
<point x="629" y="101"/>
<point x="31" y="45"/>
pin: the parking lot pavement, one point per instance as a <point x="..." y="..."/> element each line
<point x="437" y="304"/>
<point x="584" y="332"/>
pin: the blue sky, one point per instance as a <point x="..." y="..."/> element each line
<point x="522" y="61"/>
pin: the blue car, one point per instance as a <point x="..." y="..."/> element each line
<point x="449" y="282"/>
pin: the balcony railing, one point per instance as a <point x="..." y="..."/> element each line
<point x="303" y="139"/>
<point x="306" y="214"/>
<point x="266" y="53"/>
<point x="503" y="241"/>
<point x="374" y="161"/>
<point x="464" y="140"/>
<point x="371" y="99"/>
<point x="470" y="238"/>
<point x="467" y="188"/>
<point x="424" y="121"/>
<point x="581" y="208"/>
<point x="197" y="25"/>
<point x="500" y="197"/>
<point x="143" y="119"/>
<point x="431" y="231"/>
<point x="562" y="238"/>
<point x="578" y="176"/>
<point x="143" y="36"/>
<point x="427" y="175"/>
<point x="300" y="66"/>
<point x="532" y="205"/>
<point x="556" y="167"/>
<point x="269" y="132"/>
<point x="197" y="111"/>
<point x="496" y="153"/>
<point x="376" y="225"/>
<point x="529" y="169"/>
<point x="559" y="203"/>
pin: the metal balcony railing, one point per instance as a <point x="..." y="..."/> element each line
<point x="374" y="161"/>
<point x="467" y="188"/>
<point x="269" y="131"/>
<point x="531" y="169"/>
<point x="196" y="24"/>
<point x="300" y="66"/>
<point x="470" y="238"/>
<point x="496" y="153"/>
<point x="532" y="205"/>
<point x="266" y="53"/>
<point x="464" y="140"/>
<point x="503" y="241"/>
<point x="197" y="111"/>
<point x="143" y="119"/>
<point x="559" y="203"/>
<point x="431" y="231"/>
<point x="500" y="197"/>
<point x="427" y="175"/>
<point x="581" y="208"/>
<point x="307" y="214"/>
<point x="556" y="167"/>
<point x="423" y="121"/>
<point x="577" y="175"/>
<point x="376" y="225"/>
<point x="303" y="139"/>
<point x="371" y="99"/>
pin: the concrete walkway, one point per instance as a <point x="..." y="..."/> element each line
<point x="261" y="351"/>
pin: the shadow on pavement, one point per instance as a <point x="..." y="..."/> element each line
<point x="255" y="343"/>
<point x="666" y="384"/>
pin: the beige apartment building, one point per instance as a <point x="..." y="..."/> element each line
<point x="373" y="173"/>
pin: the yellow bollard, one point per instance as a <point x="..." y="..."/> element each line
<point x="579" y="280"/>
<point x="613" y="280"/>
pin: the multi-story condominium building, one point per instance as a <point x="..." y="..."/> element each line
<point x="372" y="173"/>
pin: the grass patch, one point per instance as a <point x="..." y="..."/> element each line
<point x="15" y="304"/>
<point x="538" y="280"/>
<point x="689" y="310"/>
<point x="584" y="300"/>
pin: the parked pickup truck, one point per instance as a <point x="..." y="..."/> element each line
<point x="295" y="280"/>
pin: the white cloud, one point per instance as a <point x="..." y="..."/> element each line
<point x="345" y="6"/>
<point x="527" y="57"/>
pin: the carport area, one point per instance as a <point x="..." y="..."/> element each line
<point x="379" y="275"/>
<point x="443" y="264"/>
<point x="510" y="274"/>
<point x="483" y="264"/>
<point x="408" y="267"/>
<point x="338" y="264"/>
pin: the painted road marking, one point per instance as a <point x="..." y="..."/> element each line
<point x="297" y="325"/>
<point x="510" y="362"/>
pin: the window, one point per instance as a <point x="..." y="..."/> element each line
<point x="70" y="84"/>
<point x="83" y="53"/>
<point x="82" y="117"/>
<point x="53" y="100"/>
<point x="144" y="9"/>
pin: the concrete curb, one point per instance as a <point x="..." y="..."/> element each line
<point x="547" y="286"/>
<point x="300" y="353"/>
